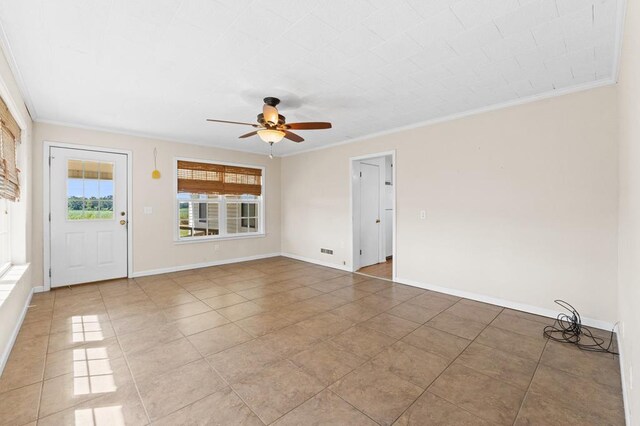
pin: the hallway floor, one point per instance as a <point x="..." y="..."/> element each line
<point x="278" y="341"/>
<point x="380" y="270"/>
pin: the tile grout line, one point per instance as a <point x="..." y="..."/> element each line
<point x="124" y="356"/>
<point x="531" y="381"/>
<point x="46" y="355"/>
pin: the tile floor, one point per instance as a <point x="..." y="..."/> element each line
<point x="283" y="342"/>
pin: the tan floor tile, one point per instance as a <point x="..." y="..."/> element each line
<point x="401" y="293"/>
<point x="356" y="312"/>
<point x="437" y="342"/>
<point x="378" y="302"/>
<point x="431" y="300"/>
<point x="261" y="324"/>
<point x="25" y="364"/>
<point x="85" y="330"/>
<point x="326" y="408"/>
<point x="162" y="358"/>
<point x="598" y="367"/>
<point x="35" y="329"/>
<point x="201" y="322"/>
<point x="362" y="341"/>
<point x="519" y="325"/>
<point x="325" y="302"/>
<point x="498" y="364"/>
<point x="325" y="325"/>
<point x="70" y="322"/>
<point x="415" y="313"/>
<point x="430" y="410"/>
<point x="290" y="340"/>
<point x="276" y="389"/>
<point x="349" y="293"/>
<point x="453" y="324"/>
<point x="242" y="360"/>
<point x="224" y="407"/>
<point x="63" y="362"/>
<point x="123" y="406"/>
<point x="20" y="406"/>
<point x="122" y="311"/>
<point x="530" y="317"/>
<point x="139" y="322"/>
<point x="327" y="362"/>
<point x="487" y="398"/>
<point x="224" y="300"/>
<point x="537" y="410"/>
<point x="410" y="363"/>
<point x="178" y="388"/>
<point x="511" y="342"/>
<point x="90" y="379"/>
<point x="262" y="291"/>
<point x="476" y="311"/>
<point x="327" y="286"/>
<point x="582" y="394"/>
<point x="217" y="339"/>
<point x="372" y="285"/>
<point x="210" y="291"/>
<point x="173" y="299"/>
<point x="149" y="337"/>
<point x="186" y="310"/>
<point x="240" y="311"/>
<point x="377" y="393"/>
<point x="299" y="311"/>
<point x="390" y="325"/>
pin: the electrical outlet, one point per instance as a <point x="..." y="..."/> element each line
<point x="344" y="262"/>
<point x="423" y="214"/>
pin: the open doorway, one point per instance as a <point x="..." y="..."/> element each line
<point x="373" y="213"/>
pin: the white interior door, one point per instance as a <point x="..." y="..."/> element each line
<point x="88" y="203"/>
<point x="369" y="214"/>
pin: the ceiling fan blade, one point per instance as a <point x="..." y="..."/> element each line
<point x="233" y="122"/>
<point x="270" y="114"/>
<point x="246" y="135"/>
<point x="292" y="136"/>
<point x="308" y="126"/>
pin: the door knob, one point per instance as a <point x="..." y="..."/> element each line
<point x="123" y="222"/>
<point x="377" y="220"/>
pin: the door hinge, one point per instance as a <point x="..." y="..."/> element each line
<point x="49" y="217"/>
<point x="49" y="272"/>
<point x="50" y="157"/>
<point x="360" y="252"/>
<point x="360" y="172"/>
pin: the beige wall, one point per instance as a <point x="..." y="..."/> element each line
<point x="521" y="203"/>
<point x="629" y="232"/>
<point x="153" y="243"/>
<point x="12" y="308"/>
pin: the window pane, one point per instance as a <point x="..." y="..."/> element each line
<point x="89" y="190"/>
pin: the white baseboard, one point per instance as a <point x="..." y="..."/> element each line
<point x="39" y="289"/>
<point x="625" y="390"/>
<point x="551" y="313"/>
<point x="316" y="261"/>
<point x="201" y="265"/>
<point x="14" y="335"/>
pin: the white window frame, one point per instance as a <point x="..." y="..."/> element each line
<point x="222" y="207"/>
<point x="5" y="236"/>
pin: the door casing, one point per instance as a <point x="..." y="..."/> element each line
<point x="354" y="208"/>
<point x="46" y="203"/>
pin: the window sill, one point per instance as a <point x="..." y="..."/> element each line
<point x="197" y="240"/>
<point x="9" y="279"/>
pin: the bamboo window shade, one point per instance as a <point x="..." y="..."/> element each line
<point x="205" y="178"/>
<point x="9" y="139"/>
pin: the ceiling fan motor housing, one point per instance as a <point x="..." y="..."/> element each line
<point x="261" y="120"/>
<point x="271" y="101"/>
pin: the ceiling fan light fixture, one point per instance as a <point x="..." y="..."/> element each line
<point x="271" y="135"/>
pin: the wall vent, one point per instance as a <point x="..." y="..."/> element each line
<point x="326" y="251"/>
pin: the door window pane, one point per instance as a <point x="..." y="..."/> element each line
<point x="89" y="190"/>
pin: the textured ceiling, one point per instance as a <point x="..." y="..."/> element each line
<point x="161" y="67"/>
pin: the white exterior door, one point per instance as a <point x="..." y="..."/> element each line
<point x="88" y="204"/>
<point x="369" y="214"/>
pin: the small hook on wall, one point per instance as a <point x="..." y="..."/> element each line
<point x="156" y="173"/>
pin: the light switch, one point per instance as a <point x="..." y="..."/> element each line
<point x="148" y="210"/>
<point x="423" y="214"/>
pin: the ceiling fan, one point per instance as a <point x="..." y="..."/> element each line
<point x="272" y="126"/>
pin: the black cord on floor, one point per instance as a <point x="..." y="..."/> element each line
<point x="568" y="328"/>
